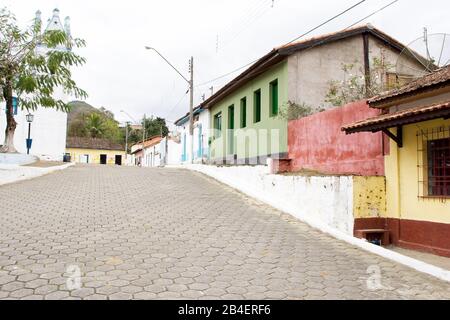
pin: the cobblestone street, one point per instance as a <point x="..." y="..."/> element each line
<point x="134" y="233"/>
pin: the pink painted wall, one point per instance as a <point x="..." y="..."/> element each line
<point x="317" y="143"/>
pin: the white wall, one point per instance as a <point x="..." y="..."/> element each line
<point x="320" y="201"/>
<point x="48" y="132"/>
<point x="49" y="128"/>
<point x="203" y="123"/>
<point x="173" y="156"/>
<point x="152" y="156"/>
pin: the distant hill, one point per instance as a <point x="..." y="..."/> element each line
<point x="79" y="107"/>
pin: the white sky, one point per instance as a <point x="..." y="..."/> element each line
<point x="122" y="75"/>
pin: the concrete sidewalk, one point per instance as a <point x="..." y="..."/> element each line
<point x="10" y="173"/>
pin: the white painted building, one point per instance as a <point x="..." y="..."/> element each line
<point x="170" y="148"/>
<point x="49" y="128"/>
<point x="200" y="144"/>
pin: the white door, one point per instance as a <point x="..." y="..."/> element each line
<point x="84" y="158"/>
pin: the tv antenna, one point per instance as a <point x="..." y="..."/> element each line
<point x="424" y="55"/>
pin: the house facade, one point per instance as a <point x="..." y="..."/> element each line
<point x="95" y="151"/>
<point x="199" y="144"/>
<point x="49" y="128"/>
<point x="147" y="154"/>
<point x="248" y="115"/>
<point x="152" y="153"/>
<point x="416" y="118"/>
<point x="170" y="148"/>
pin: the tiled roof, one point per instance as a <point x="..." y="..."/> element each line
<point x="281" y="53"/>
<point x="408" y="116"/>
<point x="435" y="78"/>
<point x="148" y="143"/>
<point x="185" y="118"/>
<point x="91" y="143"/>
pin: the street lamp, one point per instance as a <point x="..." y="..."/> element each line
<point x="30" y="119"/>
<point x="191" y="90"/>
<point x="126" y="131"/>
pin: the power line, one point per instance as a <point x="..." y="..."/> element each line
<point x="328" y="21"/>
<point x="313" y="46"/>
<point x="373" y="13"/>
<point x="304" y="34"/>
<point x="258" y="14"/>
<point x="225" y="75"/>
<point x="177" y="104"/>
<point x="247" y="15"/>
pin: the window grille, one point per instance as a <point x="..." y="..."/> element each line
<point x="433" y="163"/>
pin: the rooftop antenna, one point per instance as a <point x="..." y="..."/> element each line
<point x="424" y="55"/>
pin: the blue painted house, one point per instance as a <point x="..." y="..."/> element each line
<point x="200" y="143"/>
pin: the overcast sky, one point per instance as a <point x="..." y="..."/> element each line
<point x="122" y="75"/>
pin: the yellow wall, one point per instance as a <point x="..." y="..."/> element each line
<point x="94" y="155"/>
<point x="369" y="197"/>
<point x="402" y="180"/>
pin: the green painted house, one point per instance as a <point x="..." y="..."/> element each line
<point x="246" y="125"/>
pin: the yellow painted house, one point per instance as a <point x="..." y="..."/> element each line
<point x="95" y="151"/>
<point x="416" y="118"/>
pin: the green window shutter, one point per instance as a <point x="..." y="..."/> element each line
<point x="231" y="117"/>
<point x="243" y="112"/>
<point x="257" y="106"/>
<point x="274" y="98"/>
<point x="218" y="124"/>
<point x="231" y="129"/>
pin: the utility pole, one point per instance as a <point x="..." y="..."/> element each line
<point x="191" y="90"/>
<point x="191" y="107"/>
<point x="143" y="139"/>
<point x="126" y="140"/>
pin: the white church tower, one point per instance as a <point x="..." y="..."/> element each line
<point x="49" y="127"/>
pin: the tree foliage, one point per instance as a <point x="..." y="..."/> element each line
<point x="96" y="124"/>
<point x="353" y="86"/>
<point x="155" y="127"/>
<point x="33" y="74"/>
<point x="293" y="111"/>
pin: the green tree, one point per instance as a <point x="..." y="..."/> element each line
<point x="95" y="125"/>
<point x="353" y="86"/>
<point x="155" y="127"/>
<point x="31" y="75"/>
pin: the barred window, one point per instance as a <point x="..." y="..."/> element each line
<point x="434" y="162"/>
<point x="439" y="167"/>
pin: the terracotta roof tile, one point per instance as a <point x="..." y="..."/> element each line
<point x="439" y="76"/>
<point x="400" y="115"/>
<point x="280" y="53"/>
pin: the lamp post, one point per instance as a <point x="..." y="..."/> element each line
<point x="191" y="91"/>
<point x="30" y="119"/>
<point x="126" y="130"/>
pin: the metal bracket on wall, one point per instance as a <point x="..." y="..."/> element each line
<point x="397" y="138"/>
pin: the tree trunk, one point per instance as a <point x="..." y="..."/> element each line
<point x="11" y="124"/>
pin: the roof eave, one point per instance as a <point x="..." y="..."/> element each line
<point x="376" y="127"/>
<point x="389" y="101"/>
<point x="269" y="60"/>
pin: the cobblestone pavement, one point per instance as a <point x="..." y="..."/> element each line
<point x="135" y="233"/>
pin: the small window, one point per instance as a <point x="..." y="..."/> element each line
<point x="243" y="112"/>
<point x="218" y="125"/>
<point x="439" y="168"/>
<point x="231" y="117"/>
<point x="274" y="98"/>
<point x="257" y="106"/>
<point x="231" y="128"/>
